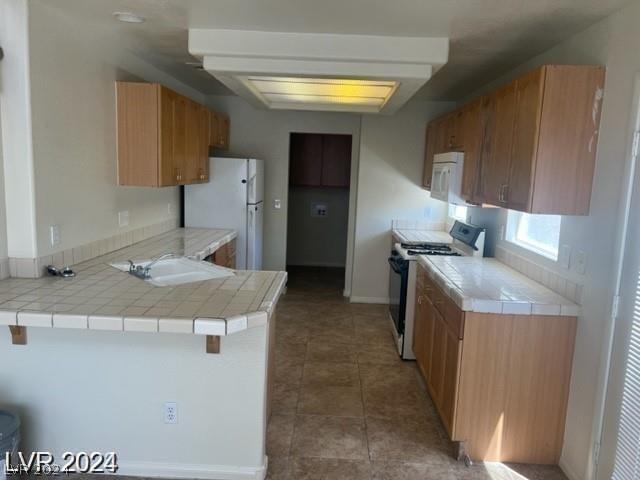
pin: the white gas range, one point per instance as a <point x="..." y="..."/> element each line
<point x="463" y="240"/>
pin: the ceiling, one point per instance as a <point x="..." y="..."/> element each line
<point x="488" y="37"/>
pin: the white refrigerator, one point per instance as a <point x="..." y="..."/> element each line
<point x="232" y="199"/>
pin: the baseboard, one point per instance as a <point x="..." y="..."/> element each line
<point x="185" y="470"/>
<point x="568" y="471"/>
<point x="380" y="300"/>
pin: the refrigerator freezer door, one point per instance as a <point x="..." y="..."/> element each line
<point x="255" y="181"/>
<point x="221" y="203"/>
<point x="254" y="236"/>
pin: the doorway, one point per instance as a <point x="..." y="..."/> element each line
<point x="318" y="211"/>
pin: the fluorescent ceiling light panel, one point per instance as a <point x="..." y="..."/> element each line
<point x="305" y="71"/>
<point x="327" y="91"/>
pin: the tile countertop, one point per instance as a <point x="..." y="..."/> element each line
<point x="421" y="236"/>
<point x="101" y="297"/>
<point x="488" y="286"/>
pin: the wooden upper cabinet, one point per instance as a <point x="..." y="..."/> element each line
<point x="336" y="161"/>
<point x="498" y="112"/>
<point x="319" y="160"/>
<point x="530" y="145"/>
<point x="567" y="138"/>
<point x="162" y="136"/>
<point x="472" y="136"/>
<point x="305" y="159"/>
<point x="529" y="92"/>
<point x="219" y="130"/>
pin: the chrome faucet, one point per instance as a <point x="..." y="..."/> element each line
<point x="145" y="272"/>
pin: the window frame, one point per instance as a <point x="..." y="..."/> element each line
<point x="512" y="235"/>
<point x="451" y="212"/>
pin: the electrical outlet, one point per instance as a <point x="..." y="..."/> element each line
<point x="581" y="262"/>
<point x="54" y="235"/>
<point x="277" y="204"/>
<point x="171" y="412"/>
<point x="123" y="218"/>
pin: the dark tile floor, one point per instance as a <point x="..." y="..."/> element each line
<point x="345" y="406"/>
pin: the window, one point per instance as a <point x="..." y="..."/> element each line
<point x="627" y="460"/>
<point x="538" y="233"/>
<point x="458" y="212"/>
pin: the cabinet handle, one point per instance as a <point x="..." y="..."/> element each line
<point x="505" y="192"/>
<point x="419" y="299"/>
<point x="502" y="192"/>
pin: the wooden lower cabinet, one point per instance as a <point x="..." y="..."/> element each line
<point x="225" y="256"/>
<point x="500" y="383"/>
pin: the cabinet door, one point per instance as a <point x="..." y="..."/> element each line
<point x="452" y="356"/>
<point x="498" y="112"/>
<point x="336" y="160"/>
<point x="419" y="330"/>
<point x="442" y="132"/>
<point x="305" y="159"/>
<point x="429" y="152"/>
<point x="193" y="149"/>
<point x="167" y="162"/>
<point x="438" y="358"/>
<point x="472" y="135"/>
<point x="224" y="131"/>
<point x="214" y="128"/>
<point x="455" y="130"/>
<point x="203" y="141"/>
<point x="180" y="114"/>
<point x="529" y="91"/>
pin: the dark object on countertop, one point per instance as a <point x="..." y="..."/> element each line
<point x="66" y="272"/>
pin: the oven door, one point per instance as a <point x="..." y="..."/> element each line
<point x="398" y="279"/>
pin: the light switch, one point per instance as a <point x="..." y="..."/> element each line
<point x="277" y="204"/>
<point x="123" y="218"/>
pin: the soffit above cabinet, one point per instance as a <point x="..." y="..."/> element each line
<point x="310" y="71"/>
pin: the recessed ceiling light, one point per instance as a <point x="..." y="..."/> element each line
<point x="283" y="90"/>
<point x="128" y="17"/>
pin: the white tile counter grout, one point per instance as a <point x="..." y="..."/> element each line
<point x="103" y="298"/>
<point x="486" y="285"/>
<point x="418" y="236"/>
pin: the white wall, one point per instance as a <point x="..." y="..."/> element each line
<point x="15" y="110"/>
<point x="389" y="188"/>
<point x="265" y="134"/>
<point x="609" y="42"/>
<point x="73" y="70"/>
<point x="82" y="390"/>
<point x="3" y="212"/>
<point x="317" y="241"/>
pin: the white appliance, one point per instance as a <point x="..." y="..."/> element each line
<point x="446" y="180"/>
<point x="232" y="199"/>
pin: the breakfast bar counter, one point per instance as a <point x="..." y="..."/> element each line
<point x="101" y="297"/>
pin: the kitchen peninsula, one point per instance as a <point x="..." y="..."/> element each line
<point x="111" y="351"/>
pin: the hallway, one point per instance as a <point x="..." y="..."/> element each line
<point x="345" y="406"/>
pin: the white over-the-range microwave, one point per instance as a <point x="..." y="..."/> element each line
<point x="446" y="181"/>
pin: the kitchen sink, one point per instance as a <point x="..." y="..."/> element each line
<point x="176" y="271"/>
